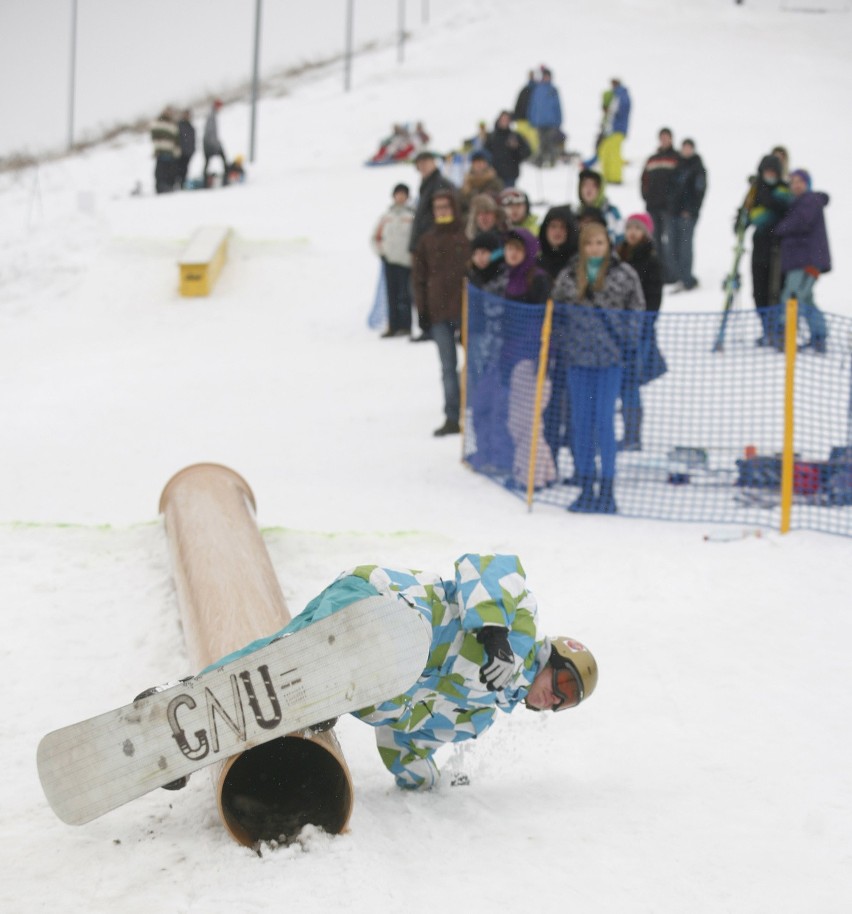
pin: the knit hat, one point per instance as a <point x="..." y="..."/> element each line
<point x="481" y="154"/>
<point x="488" y="240"/>
<point x="644" y="221"/>
<point x="804" y="175"/>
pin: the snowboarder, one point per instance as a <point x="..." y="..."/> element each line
<point x="487" y="654"/>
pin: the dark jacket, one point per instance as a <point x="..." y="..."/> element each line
<point x="439" y="269"/>
<point x="491" y="279"/>
<point x="522" y="103"/>
<point x="423" y="216"/>
<point x="507" y="149"/>
<point x="186" y="134"/>
<point x="658" y="179"/>
<point x="767" y="203"/>
<point x="554" y="260"/>
<point x="804" y="240"/>
<point x="644" y="260"/>
<point x="689" y="186"/>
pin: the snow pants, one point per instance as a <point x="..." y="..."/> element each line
<point x="609" y="154"/>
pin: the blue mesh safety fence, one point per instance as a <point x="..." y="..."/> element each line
<point x="690" y="431"/>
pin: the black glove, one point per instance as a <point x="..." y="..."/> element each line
<point x="499" y="663"/>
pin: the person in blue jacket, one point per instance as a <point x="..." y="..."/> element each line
<point x="487" y="654"/>
<point x="804" y="255"/>
<point x="545" y="114"/>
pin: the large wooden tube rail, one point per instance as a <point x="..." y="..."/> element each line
<point x="228" y="596"/>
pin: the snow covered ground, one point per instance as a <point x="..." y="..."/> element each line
<point x="711" y="770"/>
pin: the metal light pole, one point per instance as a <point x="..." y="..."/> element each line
<point x="347" y="67"/>
<point x="72" y="74"/>
<point x="255" y="78"/>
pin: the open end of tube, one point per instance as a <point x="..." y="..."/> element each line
<point x="272" y="791"/>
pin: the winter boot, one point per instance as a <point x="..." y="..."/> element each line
<point x="632" y="440"/>
<point x="585" y="504"/>
<point x="606" y="499"/>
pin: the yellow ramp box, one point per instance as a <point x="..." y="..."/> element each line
<point x="202" y="261"/>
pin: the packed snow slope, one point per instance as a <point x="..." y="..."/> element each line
<point x="711" y="770"/>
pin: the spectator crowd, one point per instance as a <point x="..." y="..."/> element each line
<point x="482" y="231"/>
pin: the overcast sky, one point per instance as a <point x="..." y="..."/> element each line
<point x="134" y="58"/>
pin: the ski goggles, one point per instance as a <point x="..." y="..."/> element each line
<point x="568" y="687"/>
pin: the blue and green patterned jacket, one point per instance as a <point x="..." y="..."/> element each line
<point x="448" y="703"/>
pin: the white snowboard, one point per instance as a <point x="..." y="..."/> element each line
<point x="362" y="655"/>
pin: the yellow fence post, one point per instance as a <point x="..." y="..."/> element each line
<point x="539" y="387"/>
<point x="791" y="326"/>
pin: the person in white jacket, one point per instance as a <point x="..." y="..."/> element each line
<point x="391" y="241"/>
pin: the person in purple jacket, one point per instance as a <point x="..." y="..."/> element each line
<point x="804" y="255"/>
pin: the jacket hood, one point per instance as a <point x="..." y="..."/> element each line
<point x="563" y="214"/>
<point x="530" y="246"/>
